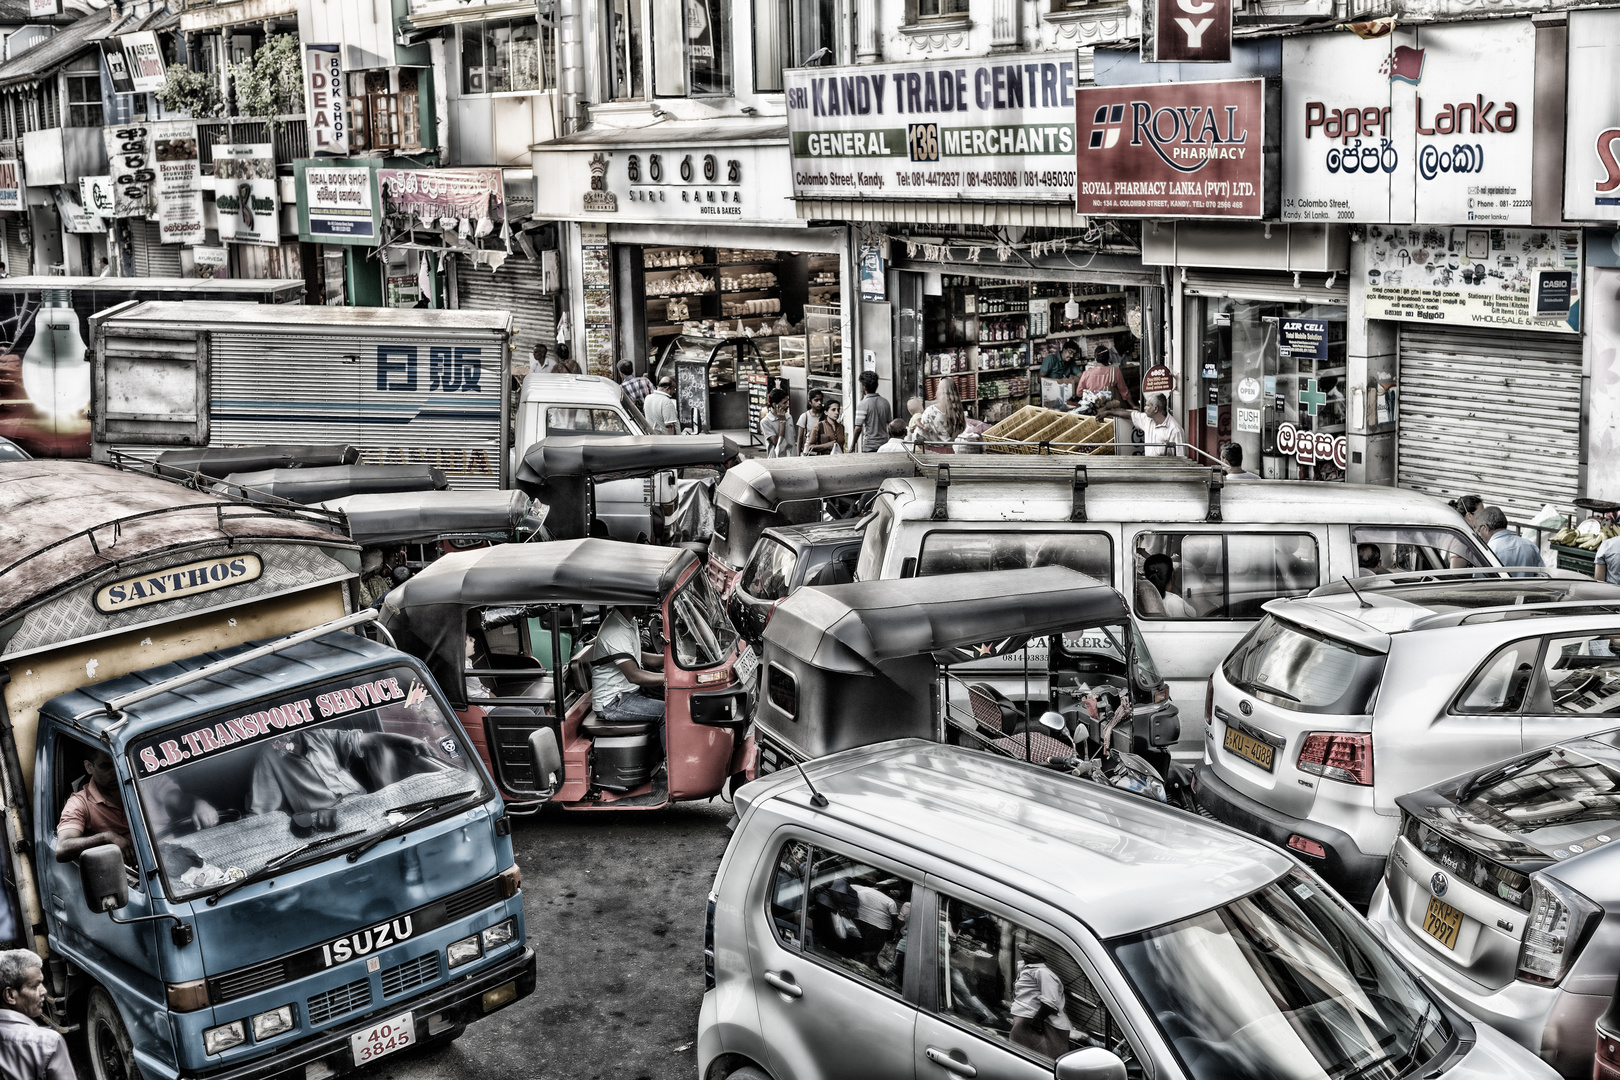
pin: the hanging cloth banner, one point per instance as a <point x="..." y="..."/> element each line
<point x="477" y="196"/>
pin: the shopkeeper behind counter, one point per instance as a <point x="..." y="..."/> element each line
<point x="1064" y="365"/>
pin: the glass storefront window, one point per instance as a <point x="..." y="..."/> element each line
<point x="504" y="55"/>
<point x="1262" y="364"/>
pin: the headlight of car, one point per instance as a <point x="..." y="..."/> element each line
<point x="270" y="1024"/>
<point x="464" y="951"/>
<point x="222" y="1038"/>
<point x="499" y="934"/>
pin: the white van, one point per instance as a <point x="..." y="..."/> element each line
<point x="1225" y="548"/>
<point x="588" y="405"/>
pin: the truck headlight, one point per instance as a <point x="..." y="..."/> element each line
<point x="219" y="1039"/>
<point x="464" y="951"/>
<point x="270" y="1024"/>
<point x="499" y="934"/>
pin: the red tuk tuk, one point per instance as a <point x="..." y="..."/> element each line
<point x="510" y="634"/>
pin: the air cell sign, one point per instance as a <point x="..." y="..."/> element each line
<point x="1200" y="149"/>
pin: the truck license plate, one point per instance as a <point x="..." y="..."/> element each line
<point x="1249" y="748"/>
<point x="383" y="1039"/>
<point x="1441" y="922"/>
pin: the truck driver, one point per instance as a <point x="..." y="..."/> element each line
<point x="95" y="815"/>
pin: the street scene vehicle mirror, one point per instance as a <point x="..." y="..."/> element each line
<point x="101" y="871"/>
<point x="1092" y="1063"/>
<point x="547" y="759"/>
<point x="1053" y="721"/>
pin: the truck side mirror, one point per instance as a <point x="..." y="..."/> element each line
<point x="1092" y="1063"/>
<point x="547" y="759"/>
<point x="101" y="872"/>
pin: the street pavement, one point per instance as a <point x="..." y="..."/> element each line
<point x="614" y="903"/>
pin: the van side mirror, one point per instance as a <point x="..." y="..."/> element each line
<point x="546" y="757"/>
<point x="1092" y="1063"/>
<point x="101" y="872"/>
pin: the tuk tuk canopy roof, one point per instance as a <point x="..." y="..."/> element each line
<point x="218" y="462"/>
<point x="598" y="455"/>
<point x="590" y="571"/>
<point x="310" y="486"/>
<point x="764" y="484"/>
<point x="420" y="516"/>
<point x="852" y="628"/>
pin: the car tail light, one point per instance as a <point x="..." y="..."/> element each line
<point x="1555" y="931"/>
<point x="1209" y="702"/>
<point x="1308" y="846"/>
<point x="708" y="946"/>
<point x="1606" y="1060"/>
<point x="1342" y="756"/>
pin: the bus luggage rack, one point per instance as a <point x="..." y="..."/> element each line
<point x="943" y="469"/>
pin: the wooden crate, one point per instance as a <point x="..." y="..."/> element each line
<point x="1067" y="433"/>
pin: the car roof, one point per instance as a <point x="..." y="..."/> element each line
<point x="799" y="537"/>
<point x="1369" y="610"/>
<point x="571" y="389"/>
<point x="1115" y="861"/>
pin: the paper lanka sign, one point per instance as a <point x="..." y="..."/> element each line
<point x="1473" y="277"/>
<point x="245" y="194"/>
<point x="1199" y="149"/>
<point x="323" y="101"/>
<point x="995" y="129"/>
<point x="179" y="182"/>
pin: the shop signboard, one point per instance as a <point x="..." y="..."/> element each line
<point x="873" y="283"/>
<point x="323" y="101"/>
<point x="39" y="8"/>
<point x="246" y="194"/>
<point x="112" y="54"/>
<point x="129" y="161"/>
<point x="1187" y="31"/>
<point x="1311" y="447"/>
<point x="1592" y="117"/>
<point x="215" y="258"/>
<point x="1427" y="125"/>
<point x="597" y="278"/>
<point x="75" y="217"/>
<point x="11" y="186"/>
<point x="1179" y="150"/>
<point x="431" y="195"/>
<point x="1302" y="339"/>
<point x="1468" y="277"/>
<point x="990" y="129"/>
<point x="96" y="195"/>
<point x="686" y="183"/>
<point x="178" y="186"/>
<point x="1551" y="293"/>
<point x="1602" y="405"/>
<point x="337" y="203"/>
<point x="1158" y="380"/>
<point x="147" y="71"/>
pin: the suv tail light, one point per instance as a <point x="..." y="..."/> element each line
<point x="1559" y="920"/>
<point x="1342" y="756"/>
<point x="1209" y="701"/>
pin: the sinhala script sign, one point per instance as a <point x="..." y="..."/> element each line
<point x="988" y="129"/>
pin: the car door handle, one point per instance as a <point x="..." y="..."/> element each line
<point x="784" y="983"/>
<point x="945" y="1061"/>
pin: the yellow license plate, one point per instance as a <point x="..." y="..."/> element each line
<point x="1442" y="921"/>
<point x="1249" y="748"/>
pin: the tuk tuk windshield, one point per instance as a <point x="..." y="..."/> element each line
<point x="702" y="633"/>
<point x="1109" y="641"/>
<point x="240" y="795"/>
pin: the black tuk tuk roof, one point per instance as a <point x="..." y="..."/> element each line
<point x="218" y="462"/>
<point x="402" y="517"/>
<point x="765" y="484"/>
<point x="589" y="571"/>
<point x="598" y="455"/>
<point x="310" y="486"/>
<point x="852" y="628"/>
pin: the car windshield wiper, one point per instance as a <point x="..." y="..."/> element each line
<point x="1271" y="690"/>
<point x="417" y="810"/>
<point x="286" y="856"/>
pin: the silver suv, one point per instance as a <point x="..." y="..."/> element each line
<point x="1337" y="703"/>
<point x="918" y="910"/>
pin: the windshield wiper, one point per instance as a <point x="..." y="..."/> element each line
<point x="1271" y="690"/>
<point x="286" y="856"/>
<point x="1429" y="1016"/>
<point x="417" y="810"/>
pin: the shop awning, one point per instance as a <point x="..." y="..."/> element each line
<point x="943" y="212"/>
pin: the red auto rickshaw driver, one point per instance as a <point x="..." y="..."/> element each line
<point x="619" y="668"/>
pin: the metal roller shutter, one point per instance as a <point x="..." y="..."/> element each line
<point x="1259" y="285"/>
<point x="153" y="258"/>
<point x="16" y="253"/>
<point x="1490" y="413"/>
<point x="514" y="288"/>
<point x="301" y="389"/>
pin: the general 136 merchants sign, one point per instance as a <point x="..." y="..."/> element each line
<point x="996" y="128"/>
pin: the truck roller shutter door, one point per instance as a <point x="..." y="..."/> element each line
<point x="514" y="288"/>
<point x="1491" y="413"/>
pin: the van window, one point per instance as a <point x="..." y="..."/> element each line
<point x="1019" y="988"/>
<point x="1504" y="681"/>
<point x="875" y="544"/>
<point x="1295" y="669"/>
<point x="1583" y="673"/>
<point x="949" y="551"/>
<point x="855" y="917"/>
<point x="584" y="422"/>
<point x="770" y="570"/>
<point x="1403" y="548"/>
<point x="1221" y="575"/>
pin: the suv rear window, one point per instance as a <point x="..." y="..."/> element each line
<point x="1293" y="668"/>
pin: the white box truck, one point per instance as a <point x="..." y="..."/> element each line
<point x="408" y="385"/>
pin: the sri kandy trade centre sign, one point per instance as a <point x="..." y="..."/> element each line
<point x="998" y="128"/>
<point x="1185" y="150"/>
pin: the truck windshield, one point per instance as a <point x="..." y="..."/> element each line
<point x="1303" y="671"/>
<point x="1284" y="984"/>
<point x="703" y="634"/>
<point x="316" y="771"/>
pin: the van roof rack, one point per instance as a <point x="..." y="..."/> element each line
<point x="944" y="468"/>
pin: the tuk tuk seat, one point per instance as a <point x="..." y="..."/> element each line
<point x="1042" y="748"/>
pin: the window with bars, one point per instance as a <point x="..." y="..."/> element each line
<point x="385" y="110"/>
<point x="84" y="100"/>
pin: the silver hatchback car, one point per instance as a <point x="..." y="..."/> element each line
<point x="1337" y="703"/>
<point x="918" y="910"/>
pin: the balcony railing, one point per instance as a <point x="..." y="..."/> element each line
<point x="289" y="134"/>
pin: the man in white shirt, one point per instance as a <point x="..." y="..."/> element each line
<point x="876" y="917"/>
<point x="897" y="438"/>
<point x="1606" y="563"/>
<point x="660" y="410"/>
<point x="1040" y="1018"/>
<point x="1161" y="433"/>
<point x="619" y="669"/>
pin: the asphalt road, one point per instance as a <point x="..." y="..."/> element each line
<point x="614" y="903"/>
